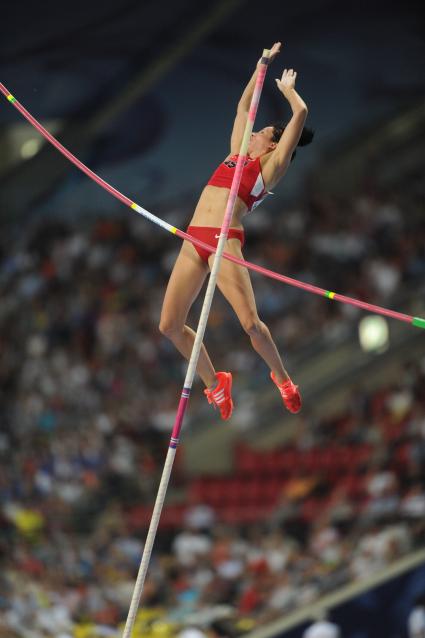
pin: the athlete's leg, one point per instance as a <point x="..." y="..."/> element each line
<point x="185" y="283"/>
<point x="235" y="284"/>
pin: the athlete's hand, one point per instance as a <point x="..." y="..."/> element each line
<point x="287" y="82"/>
<point x="273" y="52"/>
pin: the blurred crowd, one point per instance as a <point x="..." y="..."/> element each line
<point x="88" y="391"/>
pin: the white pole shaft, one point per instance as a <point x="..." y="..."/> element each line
<point x="193" y="362"/>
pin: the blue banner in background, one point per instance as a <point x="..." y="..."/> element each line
<point x="381" y="612"/>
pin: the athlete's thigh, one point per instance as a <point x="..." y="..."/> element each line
<point x="234" y="282"/>
<point x="185" y="283"/>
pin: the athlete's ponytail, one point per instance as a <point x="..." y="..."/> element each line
<point x="305" y="138"/>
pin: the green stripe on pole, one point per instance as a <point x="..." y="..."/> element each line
<point x="418" y="322"/>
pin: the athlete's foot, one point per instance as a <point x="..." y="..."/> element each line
<point x="289" y="393"/>
<point x="221" y="395"/>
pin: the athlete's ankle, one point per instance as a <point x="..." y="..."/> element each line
<point x="280" y="378"/>
<point x="213" y="383"/>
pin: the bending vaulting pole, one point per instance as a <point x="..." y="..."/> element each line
<point x="419" y="322"/>
<point x="197" y="345"/>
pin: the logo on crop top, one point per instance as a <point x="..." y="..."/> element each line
<point x="231" y="163"/>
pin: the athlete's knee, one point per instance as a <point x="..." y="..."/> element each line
<point x="252" y="325"/>
<point x="169" y="327"/>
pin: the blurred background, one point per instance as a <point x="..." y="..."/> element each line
<point x="273" y="523"/>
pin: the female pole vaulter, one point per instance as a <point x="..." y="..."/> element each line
<point x="269" y="154"/>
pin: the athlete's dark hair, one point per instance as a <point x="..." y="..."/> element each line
<point x="306" y="135"/>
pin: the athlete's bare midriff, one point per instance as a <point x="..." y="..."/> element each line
<point x="212" y="206"/>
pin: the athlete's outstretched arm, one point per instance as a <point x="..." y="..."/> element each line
<point x="287" y="144"/>
<point x="244" y="104"/>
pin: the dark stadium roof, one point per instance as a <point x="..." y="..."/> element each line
<point x="123" y="80"/>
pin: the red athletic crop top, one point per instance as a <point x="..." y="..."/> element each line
<point x="251" y="188"/>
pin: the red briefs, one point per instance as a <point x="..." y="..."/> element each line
<point x="211" y="235"/>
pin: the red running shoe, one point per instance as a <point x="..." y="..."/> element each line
<point x="289" y="393"/>
<point x="221" y="395"/>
